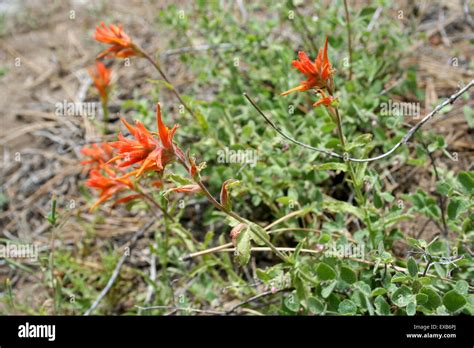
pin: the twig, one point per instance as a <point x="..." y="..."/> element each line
<point x="150" y="290"/>
<point x="119" y="265"/>
<point x="308" y="34"/>
<point x="170" y="85"/>
<point x="374" y="19"/>
<point x="229" y="245"/>
<point x="308" y="251"/>
<point x="403" y="141"/>
<point x="441" y="200"/>
<point x="349" y="42"/>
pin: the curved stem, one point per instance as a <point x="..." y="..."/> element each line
<point x="403" y="141"/>
<point x="173" y="89"/>
<point x="349" y="41"/>
<point x="241" y="220"/>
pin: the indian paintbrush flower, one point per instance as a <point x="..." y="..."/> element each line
<point x="108" y="185"/>
<point x="318" y="74"/>
<point x="98" y="154"/>
<point x="151" y="153"/>
<point x="122" y="45"/>
<point x="100" y="75"/>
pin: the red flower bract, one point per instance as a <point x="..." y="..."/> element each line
<point x="99" y="154"/>
<point x="122" y="45"/>
<point x="108" y="185"/>
<point x="101" y="77"/>
<point x="149" y="152"/>
<point x="318" y="73"/>
<point x="326" y="100"/>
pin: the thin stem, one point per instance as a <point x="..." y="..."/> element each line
<point x="358" y="191"/>
<point x="349" y="41"/>
<point x="118" y="267"/>
<point x="403" y="141"/>
<point x="257" y="232"/>
<point x="173" y="89"/>
<point x="229" y="245"/>
<point x="441" y="200"/>
<point x="155" y="204"/>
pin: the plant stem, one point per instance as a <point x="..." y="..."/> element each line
<point x="349" y="41"/>
<point x="257" y="232"/>
<point x="173" y="89"/>
<point x="360" y="197"/>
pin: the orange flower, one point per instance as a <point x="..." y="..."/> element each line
<point x="150" y="153"/>
<point x="99" y="154"/>
<point x="100" y="75"/>
<point x="326" y="100"/>
<point x="108" y="185"/>
<point x="122" y="45"/>
<point x="318" y="73"/>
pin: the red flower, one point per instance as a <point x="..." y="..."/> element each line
<point x="317" y="73"/>
<point x="99" y="154"/>
<point x="101" y="78"/>
<point x="122" y="45"/>
<point x="326" y="100"/>
<point x="108" y="185"/>
<point x="146" y="150"/>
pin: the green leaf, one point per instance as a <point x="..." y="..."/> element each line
<point x="381" y="306"/>
<point x="335" y="206"/>
<point x="412" y="267"/>
<point x="421" y="299"/>
<point x="331" y="166"/>
<point x="348" y="275"/>
<point x="263" y="276"/>
<point x="453" y="301"/>
<point x="243" y="246"/>
<point x="328" y="289"/>
<point x="466" y="179"/>
<point x="434" y="300"/>
<point x="400" y="278"/>
<point x="325" y="272"/>
<point x="292" y="303"/>
<point x="402" y="296"/>
<point x="300" y="286"/>
<point x="378" y="291"/>
<point x="315" y="306"/>
<point x="411" y="308"/>
<point x="413" y="242"/>
<point x="453" y="208"/>
<point x="347" y="307"/>
<point x="462" y="287"/>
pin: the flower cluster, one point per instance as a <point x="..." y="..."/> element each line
<point x="101" y="78"/>
<point x="319" y="76"/>
<point x="144" y="152"/>
<point x="121" y="44"/>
